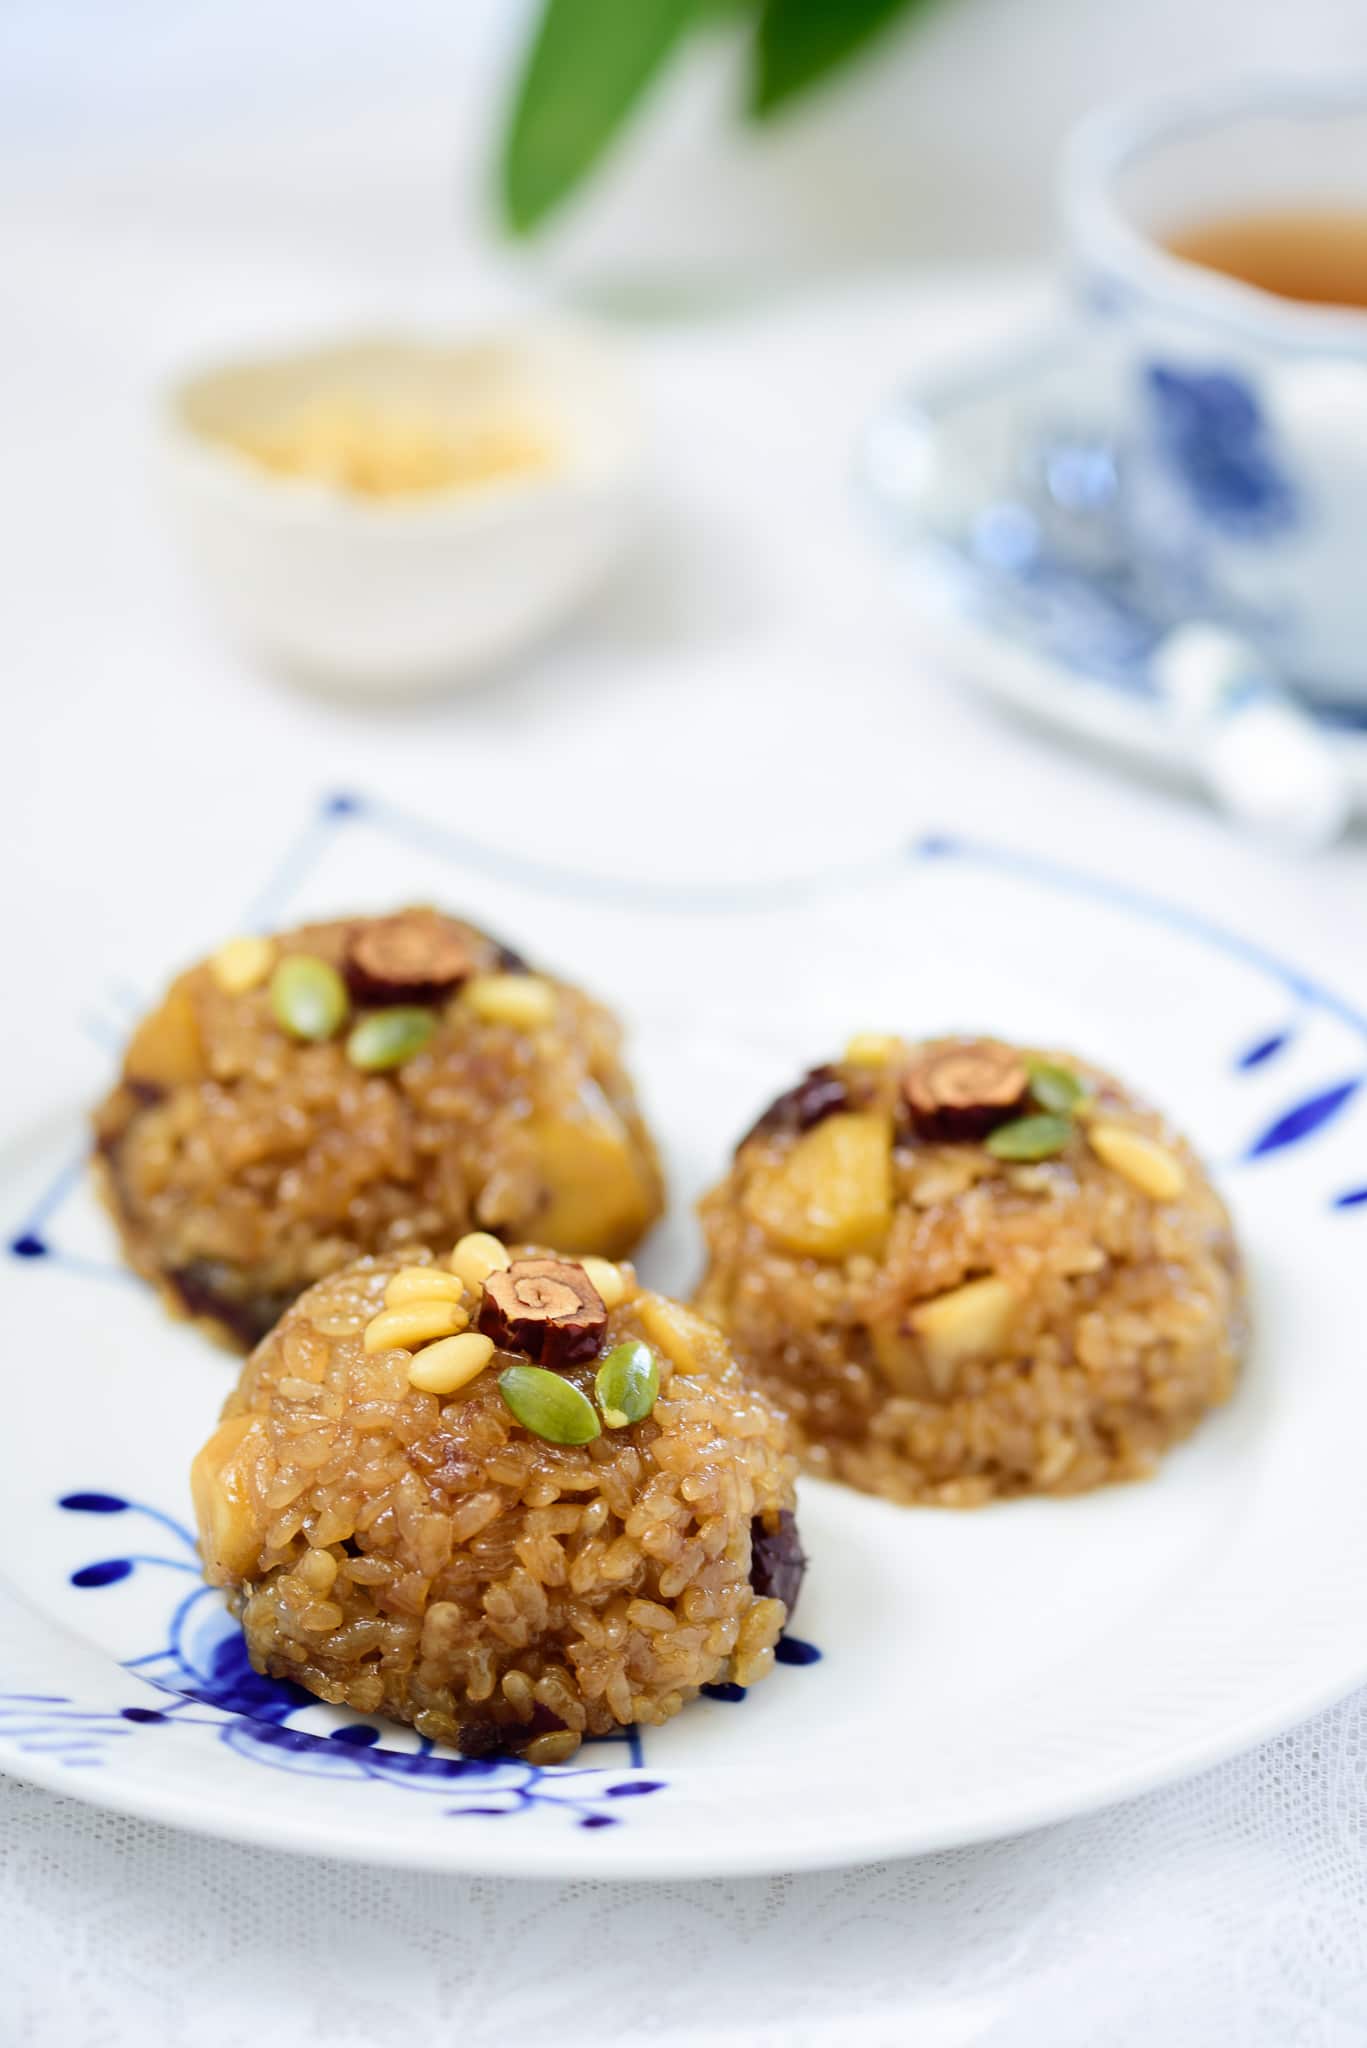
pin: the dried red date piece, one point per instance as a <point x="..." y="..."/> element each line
<point x="246" y="1316"/>
<point x="964" y="1090"/>
<point x="777" y="1559"/>
<point x="444" y="1463"/>
<point x="413" y="957"/>
<point x="480" y="1737"/>
<point x="548" y="1309"/>
<point x="817" y="1095"/>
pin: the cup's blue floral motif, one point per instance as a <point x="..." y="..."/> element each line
<point x="1212" y="433"/>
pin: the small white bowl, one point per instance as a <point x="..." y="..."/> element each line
<point x="405" y="593"/>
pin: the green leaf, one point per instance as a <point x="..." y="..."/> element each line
<point x="800" y="42"/>
<point x="589" y="64"/>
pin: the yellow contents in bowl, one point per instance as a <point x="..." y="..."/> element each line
<point x="389" y="451"/>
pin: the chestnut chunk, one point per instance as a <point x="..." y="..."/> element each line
<point x="777" y="1559"/>
<point x="413" y="957"/>
<point x="817" y="1095"/>
<point x="964" y="1090"/>
<point x="548" y="1309"/>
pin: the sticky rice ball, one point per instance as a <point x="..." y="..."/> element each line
<point x="968" y="1270"/>
<point x="512" y="1499"/>
<point x="358" y="1086"/>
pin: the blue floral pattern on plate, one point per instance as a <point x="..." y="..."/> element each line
<point x="203" y="1664"/>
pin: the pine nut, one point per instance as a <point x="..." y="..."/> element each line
<point x="1142" y="1161"/>
<point x="416" y="1324"/>
<point x="318" y="1569"/>
<point x="476" y="1256"/>
<point x="422" y="1283"/>
<point x="451" y="1363"/>
<point x="872" y="1049"/>
<point x="242" y="964"/>
<point x="609" y="1280"/>
<point x="524" y="1001"/>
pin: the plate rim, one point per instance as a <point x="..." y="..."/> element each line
<point x="647" y="1858"/>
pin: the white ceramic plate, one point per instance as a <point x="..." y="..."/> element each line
<point x="949" y="468"/>
<point x="977" y="1673"/>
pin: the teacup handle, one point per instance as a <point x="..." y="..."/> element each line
<point x="1261" y="755"/>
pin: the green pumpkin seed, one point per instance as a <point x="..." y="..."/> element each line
<point x="1056" y="1089"/>
<point x="386" y="1038"/>
<point x="548" y="1406"/>
<point x="308" y="998"/>
<point x="1030" y="1137"/>
<point x="627" y="1383"/>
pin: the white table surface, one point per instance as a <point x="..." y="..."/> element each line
<point x="753" y="650"/>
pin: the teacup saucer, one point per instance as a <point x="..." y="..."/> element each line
<point x="997" y="488"/>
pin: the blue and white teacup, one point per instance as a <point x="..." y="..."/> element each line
<point x="1245" y="421"/>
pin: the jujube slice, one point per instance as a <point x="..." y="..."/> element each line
<point x="548" y="1309"/>
<point x="412" y="957"/>
<point x="963" y="1091"/>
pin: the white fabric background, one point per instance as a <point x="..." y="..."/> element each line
<point x="757" y="633"/>
<point x="1231" y="1910"/>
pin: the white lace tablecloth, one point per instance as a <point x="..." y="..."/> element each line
<point x="1232" y="1909"/>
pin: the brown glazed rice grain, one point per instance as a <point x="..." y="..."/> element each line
<point x="241" y="1164"/>
<point x="1127" y="1318"/>
<point x="432" y="1560"/>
